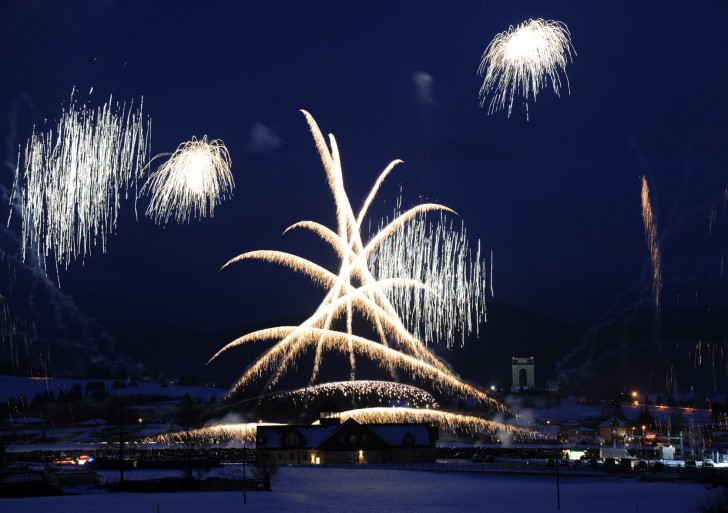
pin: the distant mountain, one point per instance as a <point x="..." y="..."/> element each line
<point x="687" y="348"/>
<point x="510" y="331"/>
<point x="172" y="350"/>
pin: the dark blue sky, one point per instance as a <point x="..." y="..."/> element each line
<point x="557" y="198"/>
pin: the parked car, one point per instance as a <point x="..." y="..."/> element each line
<point x="690" y="463"/>
<point x="707" y="462"/>
<point x="657" y="466"/>
<point x="640" y="465"/>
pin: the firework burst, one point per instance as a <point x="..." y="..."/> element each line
<point x="355" y="290"/>
<point x="524" y="59"/>
<point x="72" y="179"/>
<point x="191" y="182"/>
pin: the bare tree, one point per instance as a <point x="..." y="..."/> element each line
<point x="264" y="469"/>
<point x="189" y="415"/>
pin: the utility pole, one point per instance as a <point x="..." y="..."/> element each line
<point x="245" y="481"/>
<point x="558" y="489"/>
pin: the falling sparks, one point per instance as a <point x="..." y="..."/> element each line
<point x="355" y="290"/>
<point x="524" y="59"/>
<point x="452" y="301"/>
<point x="648" y="219"/>
<point x="191" y="182"/>
<point x="72" y="180"/>
<point x="364" y="390"/>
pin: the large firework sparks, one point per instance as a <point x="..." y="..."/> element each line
<point x="353" y="290"/>
<point x="524" y="59"/>
<point x="72" y="180"/>
<point x="193" y="181"/>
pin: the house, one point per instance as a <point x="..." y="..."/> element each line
<point x="574" y="432"/>
<point x="613" y="429"/>
<point x="348" y="443"/>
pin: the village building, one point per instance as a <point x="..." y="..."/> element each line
<point x="613" y="429"/>
<point x="348" y="443"/>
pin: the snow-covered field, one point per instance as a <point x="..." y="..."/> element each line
<point x="321" y="490"/>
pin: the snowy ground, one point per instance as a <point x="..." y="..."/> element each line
<point x="321" y="490"/>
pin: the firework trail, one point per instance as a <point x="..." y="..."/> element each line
<point x="354" y="290"/>
<point x="72" y="178"/>
<point x="524" y="59"/>
<point x="195" y="179"/>
<point x="653" y="244"/>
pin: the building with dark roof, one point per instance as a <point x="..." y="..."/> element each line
<point x="348" y="443"/>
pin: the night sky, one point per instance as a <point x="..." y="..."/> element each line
<point x="556" y="198"/>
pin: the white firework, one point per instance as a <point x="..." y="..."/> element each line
<point x="525" y="59"/>
<point x="71" y="180"/>
<point x="195" y="179"/>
